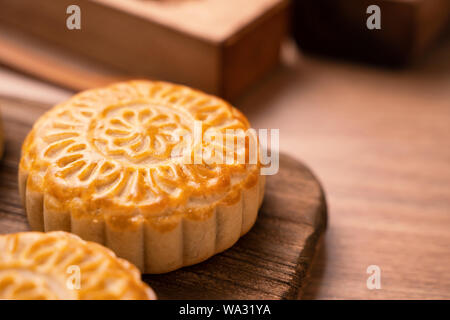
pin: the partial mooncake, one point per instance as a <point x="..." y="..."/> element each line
<point x="109" y="166"/>
<point x="61" y="266"/>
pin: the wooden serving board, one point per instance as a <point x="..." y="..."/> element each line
<point x="270" y="262"/>
<point x="221" y="47"/>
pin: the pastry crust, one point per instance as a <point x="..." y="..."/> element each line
<point x="104" y="165"/>
<point x="35" y="265"/>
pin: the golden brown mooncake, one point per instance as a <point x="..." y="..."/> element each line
<point x="59" y="265"/>
<point x="102" y="166"/>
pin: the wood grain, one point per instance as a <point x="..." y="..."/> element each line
<point x="379" y="142"/>
<point x="270" y="262"/>
<point x="21" y="53"/>
<point x="222" y="47"/>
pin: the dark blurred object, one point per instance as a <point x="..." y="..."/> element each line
<point x="221" y="47"/>
<point x="338" y="28"/>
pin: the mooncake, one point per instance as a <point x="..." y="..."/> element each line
<point x="115" y="165"/>
<point x="60" y="266"/>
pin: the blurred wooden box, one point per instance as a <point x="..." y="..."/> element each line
<point x="218" y="46"/>
<point x="338" y="27"/>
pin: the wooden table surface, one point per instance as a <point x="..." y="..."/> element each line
<point x="379" y="140"/>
